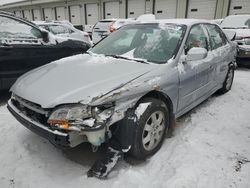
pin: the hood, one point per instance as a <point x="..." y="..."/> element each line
<point x="240" y="32"/>
<point x="79" y="78"/>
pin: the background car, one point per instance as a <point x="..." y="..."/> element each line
<point x="64" y="29"/>
<point x="104" y="27"/>
<point x="241" y="25"/>
<point x="24" y="46"/>
<point x="217" y="21"/>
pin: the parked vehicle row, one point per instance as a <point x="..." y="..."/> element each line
<point x="24" y="46"/>
<point x="104" y="27"/>
<point x="241" y="25"/>
<point x="64" y="29"/>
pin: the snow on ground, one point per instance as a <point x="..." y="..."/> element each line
<point x="210" y="148"/>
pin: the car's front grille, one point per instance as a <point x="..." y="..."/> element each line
<point x="32" y="110"/>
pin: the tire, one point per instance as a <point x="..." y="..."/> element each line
<point x="227" y="84"/>
<point x="150" y="128"/>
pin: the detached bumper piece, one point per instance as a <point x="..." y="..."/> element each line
<point x="104" y="166"/>
<point x="55" y="137"/>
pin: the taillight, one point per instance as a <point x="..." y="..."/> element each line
<point x="112" y="27"/>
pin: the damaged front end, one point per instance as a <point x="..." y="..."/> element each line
<point x="75" y="123"/>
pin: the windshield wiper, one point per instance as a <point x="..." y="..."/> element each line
<point x="127" y="58"/>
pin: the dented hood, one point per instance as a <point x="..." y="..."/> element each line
<point x="80" y="78"/>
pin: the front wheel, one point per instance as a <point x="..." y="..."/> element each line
<point x="227" y="84"/>
<point x="152" y="122"/>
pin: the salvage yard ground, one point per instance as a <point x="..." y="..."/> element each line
<point x="210" y="147"/>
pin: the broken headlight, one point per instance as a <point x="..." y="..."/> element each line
<point x="72" y="117"/>
<point x="103" y="112"/>
<point x="69" y="114"/>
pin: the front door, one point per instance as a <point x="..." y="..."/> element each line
<point x="194" y="74"/>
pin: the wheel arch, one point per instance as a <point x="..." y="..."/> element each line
<point x="161" y="96"/>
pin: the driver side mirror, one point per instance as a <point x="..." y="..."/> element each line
<point x="196" y="53"/>
<point x="45" y="36"/>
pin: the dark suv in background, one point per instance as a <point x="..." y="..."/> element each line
<point x="24" y="46"/>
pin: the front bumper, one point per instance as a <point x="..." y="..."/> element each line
<point x="55" y="137"/>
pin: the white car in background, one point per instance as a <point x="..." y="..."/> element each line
<point x="240" y="24"/>
<point x="106" y="26"/>
<point x="217" y="21"/>
<point x="64" y="29"/>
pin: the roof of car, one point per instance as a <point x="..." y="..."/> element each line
<point x="49" y="22"/>
<point x="240" y="15"/>
<point x="9" y="14"/>
<point x="183" y="21"/>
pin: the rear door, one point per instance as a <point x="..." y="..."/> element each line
<point x="221" y="50"/>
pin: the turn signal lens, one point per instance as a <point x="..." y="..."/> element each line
<point x="63" y="124"/>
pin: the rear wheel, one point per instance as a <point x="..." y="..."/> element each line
<point x="227" y="85"/>
<point x="150" y="128"/>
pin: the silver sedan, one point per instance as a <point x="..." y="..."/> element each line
<point x="130" y="87"/>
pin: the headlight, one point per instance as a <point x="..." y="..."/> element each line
<point x="69" y="114"/>
<point x="102" y="113"/>
<point x="80" y="115"/>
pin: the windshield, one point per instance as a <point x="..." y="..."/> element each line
<point x="236" y="22"/>
<point x="150" y="42"/>
<point x="103" y="25"/>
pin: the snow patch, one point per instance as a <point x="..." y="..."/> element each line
<point x="89" y="122"/>
<point x="141" y="109"/>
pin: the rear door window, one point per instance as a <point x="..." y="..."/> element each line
<point x="217" y="38"/>
<point x="59" y="29"/>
